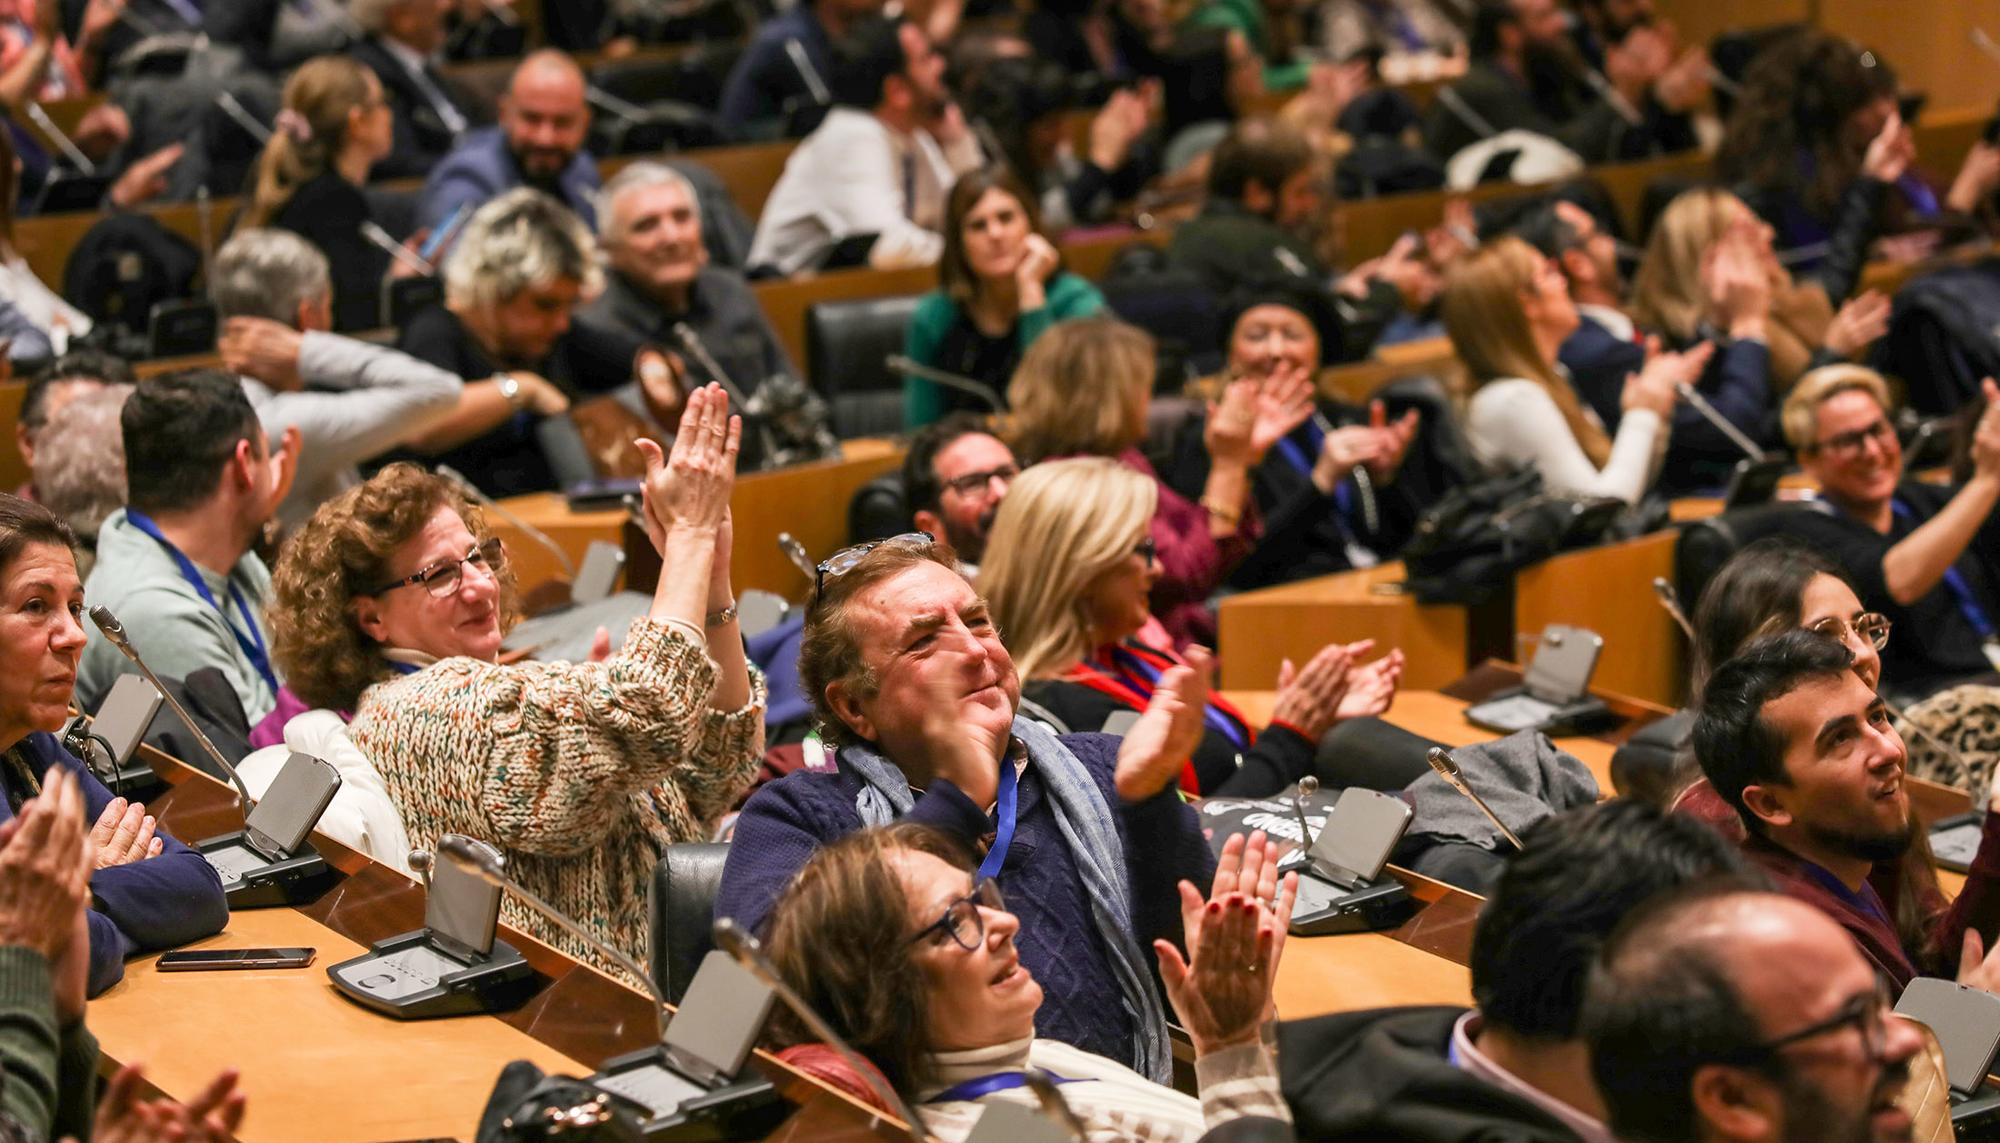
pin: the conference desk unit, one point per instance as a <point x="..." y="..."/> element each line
<point x="315" y="1066"/>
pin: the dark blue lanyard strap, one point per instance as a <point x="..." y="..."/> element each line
<point x="1302" y="453"/>
<point x="1004" y="823"/>
<point x="253" y="644"/>
<point x="983" y="1086"/>
<point x="1954" y="581"/>
<point x="1134" y="664"/>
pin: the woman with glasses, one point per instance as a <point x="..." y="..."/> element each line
<point x="890" y="935"/>
<point x="392" y="602"/>
<point x="334" y="126"/>
<point x="1070" y="567"/>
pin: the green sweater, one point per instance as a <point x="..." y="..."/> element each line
<point x="48" y="1075"/>
<point x="1069" y="296"/>
<point x="1247" y="17"/>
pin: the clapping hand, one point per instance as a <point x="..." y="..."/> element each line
<point x="124" y="833"/>
<point x="1371" y="687"/>
<point x="45" y="864"/>
<point x="1862" y="319"/>
<point x="1395" y="439"/>
<point x="1891" y="152"/>
<point x="1166" y="735"/>
<point x="123" y="1117"/>
<point x="1309" y="700"/>
<point x="690" y="487"/>
<point x="1222" y="991"/>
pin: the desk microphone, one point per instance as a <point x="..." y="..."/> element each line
<point x="1447" y="768"/>
<point x="1611" y="96"/>
<point x="1722" y="425"/>
<point x="500" y="510"/>
<point x="748" y="951"/>
<point x="1449" y="98"/>
<point x="985" y="393"/>
<point x="1671" y="600"/>
<point x="816" y="86"/>
<point x="796" y="553"/>
<point x="115" y="631"/>
<point x="1985" y="43"/>
<point x="697" y="349"/>
<point x="380" y="237"/>
<point x="240" y="115"/>
<point x="61" y="139"/>
<point x="1308" y="786"/>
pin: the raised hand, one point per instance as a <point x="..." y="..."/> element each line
<point x="1165" y="737"/>
<point x="45" y="867"/>
<point x="1986" y="433"/>
<point x="1396" y="437"/>
<point x="123" y="1117"/>
<point x="1222" y="990"/>
<point x="690" y="487"/>
<point x="1309" y="699"/>
<point x="1371" y="687"/>
<point x="264" y="349"/>
<point x="1891" y="152"/>
<point x="1862" y="320"/>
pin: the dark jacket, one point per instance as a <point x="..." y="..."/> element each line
<point x="421" y="135"/>
<point x="722" y="311"/>
<point x="784" y="822"/>
<point x="481" y="167"/>
<point x="766" y="85"/>
<point x="152" y="904"/>
<point x="1564" y="110"/>
<point x="1386" y="1075"/>
<point x="328" y="212"/>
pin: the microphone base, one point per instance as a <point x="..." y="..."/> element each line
<point x="410" y="977"/>
<point x="1324" y="909"/>
<point x="673" y="1108"/>
<point x="252" y="881"/>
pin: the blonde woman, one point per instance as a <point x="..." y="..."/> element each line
<point x="1069" y="569"/>
<point x="335" y="125"/>
<point x="1675" y="294"/>
<point x="1508" y="310"/>
<point x="1085" y="387"/>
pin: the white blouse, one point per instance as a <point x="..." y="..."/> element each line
<point x="1514" y="422"/>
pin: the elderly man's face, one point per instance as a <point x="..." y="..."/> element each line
<point x="658" y="243"/>
<point x="545" y="118"/>
<point x="939" y="665"/>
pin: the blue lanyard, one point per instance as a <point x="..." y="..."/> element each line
<point x="1301" y="453"/>
<point x="253" y="646"/>
<point x="983" y="1086"/>
<point x="1004" y="836"/>
<point x="1954" y="580"/>
<point x="403" y="668"/>
<point x="1215" y="719"/>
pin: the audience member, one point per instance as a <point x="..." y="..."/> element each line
<point x="1918" y="553"/>
<point x="45" y="310"/>
<point x="401" y="44"/>
<point x="878" y="166"/>
<point x="66" y="378"/>
<point x="147" y="890"/>
<point x="348" y="400"/>
<point x="519" y="268"/>
<point x="1001" y="285"/>
<point x="1526" y="75"/>
<point x="80" y="475"/>
<point x="662" y="276"/>
<point x="38" y="62"/>
<point x="783" y="81"/>
<point x="1797" y="743"/>
<point x="538" y="143"/>
<point x="1515" y="1066"/>
<point x="1726" y="1014"/>
<point x="1320" y="515"/>
<point x="1274" y="30"/>
<point x="1508" y="312"/>
<point x="916" y="697"/>
<point x="911" y="956"/>
<point x="333" y="128"/>
<point x="176" y="565"/>
<point x="1085" y="388"/>
<point x="391" y="603"/>
<point x="1068" y="580"/>
<point x="1399" y="29"/>
<point x="955" y="475"/>
<point x="1025" y="102"/>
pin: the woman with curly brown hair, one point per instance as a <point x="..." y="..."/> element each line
<point x="392" y="600"/>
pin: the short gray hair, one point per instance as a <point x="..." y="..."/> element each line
<point x="373" y="15"/>
<point x="266" y="272"/>
<point x="79" y="471"/>
<point x="636" y="176"/>
<point x="517" y="241"/>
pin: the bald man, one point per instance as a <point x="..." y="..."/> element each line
<point x="538" y="143"/>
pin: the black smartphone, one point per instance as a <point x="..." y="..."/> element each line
<point x="211" y="960"/>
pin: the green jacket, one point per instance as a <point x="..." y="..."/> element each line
<point x="1069" y="296"/>
<point x="48" y="1075"/>
<point x="1247" y="17"/>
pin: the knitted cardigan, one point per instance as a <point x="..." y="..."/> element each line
<point x="580" y="772"/>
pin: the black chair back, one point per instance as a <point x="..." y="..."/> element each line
<point x="685" y="883"/>
<point x="1706" y="545"/>
<point x="847" y="350"/>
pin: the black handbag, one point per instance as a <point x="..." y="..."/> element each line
<point x="1468" y="545"/>
<point x="528" y="1106"/>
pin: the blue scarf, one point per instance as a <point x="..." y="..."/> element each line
<point x="1086" y="824"/>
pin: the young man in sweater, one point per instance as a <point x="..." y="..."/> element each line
<point x="1084" y="833"/>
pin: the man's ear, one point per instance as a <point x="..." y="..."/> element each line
<point x="26" y="443"/>
<point x="1735" y="1103"/>
<point x="1767" y="805"/>
<point x="1577" y="267"/>
<point x="928" y="521"/>
<point x="847" y="707"/>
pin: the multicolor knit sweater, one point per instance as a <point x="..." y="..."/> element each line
<point x="579" y="772"/>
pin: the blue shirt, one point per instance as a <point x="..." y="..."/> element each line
<point x="481" y="167"/>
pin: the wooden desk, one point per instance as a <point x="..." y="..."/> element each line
<point x="1257" y="630"/>
<point x="1609" y="589"/>
<point x="809" y="501"/>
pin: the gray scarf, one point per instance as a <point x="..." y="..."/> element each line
<point x="1086" y="825"/>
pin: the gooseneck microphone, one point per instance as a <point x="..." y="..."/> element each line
<point x="1447" y="768"/>
<point x="985" y="393"/>
<point x="748" y="951"/>
<point x="533" y="533"/>
<point x="387" y="242"/>
<point x="1671" y="600"/>
<point x="1722" y="424"/>
<point x="115" y="631"/>
<point x="478" y="861"/>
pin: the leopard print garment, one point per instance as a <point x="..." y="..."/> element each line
<point x="1962" y="743"/>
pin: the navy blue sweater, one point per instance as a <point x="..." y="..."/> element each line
<point x="784" y="822"/>
<point x="152" y="904"/>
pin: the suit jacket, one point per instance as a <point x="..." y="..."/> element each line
<point x="421" y="138"/>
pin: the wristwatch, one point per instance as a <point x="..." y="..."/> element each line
<point x="510" y="388"/>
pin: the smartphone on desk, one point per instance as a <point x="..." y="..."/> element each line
<point x="212" y="960"/>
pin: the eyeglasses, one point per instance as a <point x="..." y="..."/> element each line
<point x="1850" y="444"/>
<point x="442" y="579"/>
<point x="1871" y="628"/>
<point x="1868" y="1013"/>
<point x="841" y="562"/>
<point x="973" y="482"/>
<point x="1148" y="549"/>
<point x="963" y="921"/>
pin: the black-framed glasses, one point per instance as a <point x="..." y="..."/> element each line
<point x="442" y="579"/>
<point x="962" y="920"/>
<point x="973" y="482"/>
<point x="1851" y="443"/>
<point x="841" y="562"/>
<point x="1868" y="1013"/>
<point x="1148" y="549"/>
<point x="1871" y="628"/>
